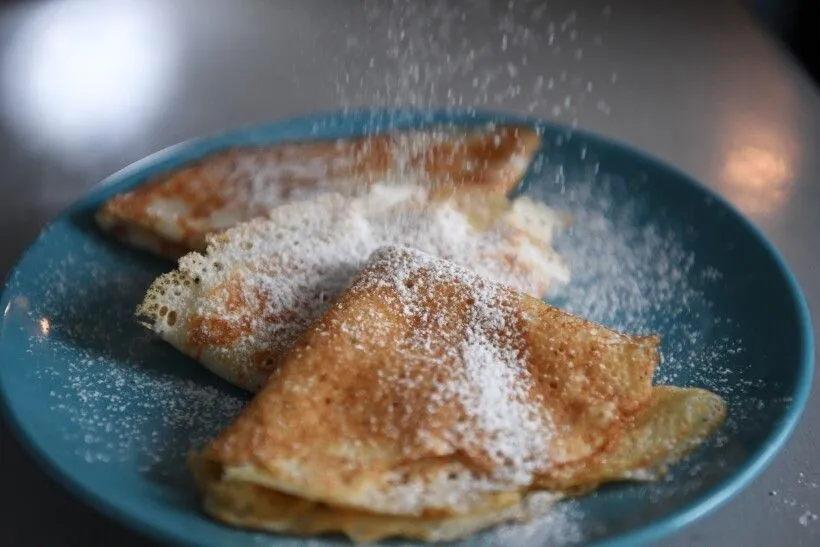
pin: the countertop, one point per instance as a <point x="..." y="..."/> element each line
<point x="88" y="87"/>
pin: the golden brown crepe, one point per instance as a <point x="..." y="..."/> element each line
<point x="429" y="402"/>
<point x="239" y="306"/>
<point x="173" y="213"/>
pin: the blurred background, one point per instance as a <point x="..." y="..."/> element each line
<point x="795" y="23"/>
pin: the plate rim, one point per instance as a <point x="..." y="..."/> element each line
<point x="720" y="493"/>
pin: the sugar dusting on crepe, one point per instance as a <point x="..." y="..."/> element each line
<point x="286" y="269"/>
<point x="487" y="374"/>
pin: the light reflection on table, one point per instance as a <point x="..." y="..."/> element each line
<point x="761" y="156"/>
<point x="81" y="73"/>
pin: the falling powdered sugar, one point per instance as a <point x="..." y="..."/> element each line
<point x="527" y="55"/>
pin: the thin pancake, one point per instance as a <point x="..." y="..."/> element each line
<point x="674" y="422"/>
<point x="237" y="308"/>
<point x="425" y="388"/>
<point x="430" y="403"/>
<point x="174" y="212"/>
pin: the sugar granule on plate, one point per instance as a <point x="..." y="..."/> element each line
<point x="109" y="379"/>
<point x="806" y="518"/>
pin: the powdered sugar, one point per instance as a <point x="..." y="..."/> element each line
<point x="552" y="525"/>
<point x="806" y="518"/>
<point x="496" y="384"/>
<point x="261" y="180"/>
<point x="125" y="403"/>
<point x="530" y="53"/>
<point x="486" y="366"/>
<point x="112" y="412"/>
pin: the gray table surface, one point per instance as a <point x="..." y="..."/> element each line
<point x="86" y="88"/>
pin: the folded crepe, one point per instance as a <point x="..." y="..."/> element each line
<point x="239" y="306"/>
<point x="174" y="212"/>
<point x="428" y="402"/>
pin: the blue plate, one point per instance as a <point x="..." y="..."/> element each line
<point x="111" y="412"/>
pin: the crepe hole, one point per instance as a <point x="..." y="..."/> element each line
<point x="197" y="280"/>
<point x="409" y="283"/>
<point x="217" y="266"/>
<point x="470" y="301"/>
<point x="163" y="310"/>
<point x="404" y="478"/>
<point x="452" y="476"/>
<point x="327" y="401"/>
<point x="172" y="318"/>
<point x="553" y="385"/>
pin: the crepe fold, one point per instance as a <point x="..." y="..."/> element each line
<point x="428" y="402"/>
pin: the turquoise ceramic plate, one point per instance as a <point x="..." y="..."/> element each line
<point x="111" y="412"/>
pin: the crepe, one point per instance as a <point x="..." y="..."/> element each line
<point x="239" y="306"/>
<point x="429" y="402"/>
<point x="174" y="212"/>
